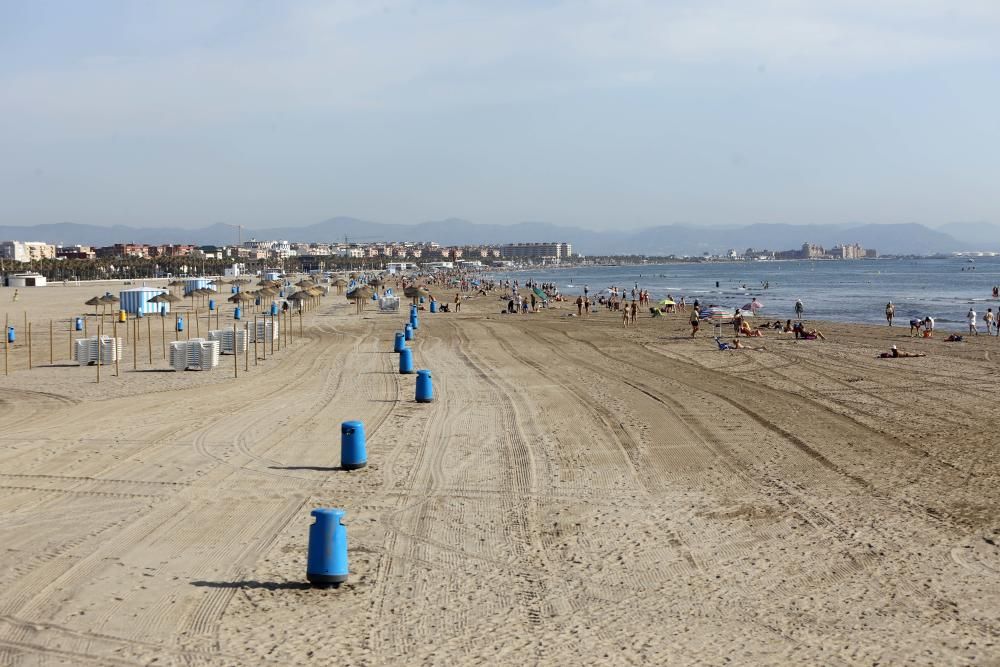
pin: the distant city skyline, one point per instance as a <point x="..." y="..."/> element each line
<point x="597" y="115"/>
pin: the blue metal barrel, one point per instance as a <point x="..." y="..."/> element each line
<point x="237" y="313"/>
<point x="406" y="361"/>
<point x="79" y="324"/>
<point x="211" y="304"/>
<point x="352" y="446"/>
<point x="400" y="342"/>
<point x="434" y="306"/>
<point x="180" y="324"/>
<point x="425" y="388"/>
<point x="11" y="336"/>
<point x="327" y="562"/>
<point x="408" y="332"/>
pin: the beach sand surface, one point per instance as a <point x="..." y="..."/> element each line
<point x="578" y="493"/>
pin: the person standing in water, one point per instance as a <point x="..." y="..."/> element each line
<point x="890" y="312"/>
<point x="971" y="317"/>
<point x="799" y="309"/>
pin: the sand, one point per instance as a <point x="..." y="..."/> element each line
<point x="577" y="494"/>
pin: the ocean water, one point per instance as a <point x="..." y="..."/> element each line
<point x="844" y="291"/>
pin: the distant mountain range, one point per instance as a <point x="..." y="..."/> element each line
<point x="911" y="239"/>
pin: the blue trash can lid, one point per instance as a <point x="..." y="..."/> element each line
<point x="352" y="424"/>
<point x="326" y="511"/>
<point x="424" y="372"/>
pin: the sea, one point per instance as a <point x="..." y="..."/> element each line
<point x="836" y="290"/>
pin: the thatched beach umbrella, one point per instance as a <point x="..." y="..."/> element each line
<point x="340" y="284"/>
<point x="360" y="295"/>
<point x="415" y="293"/>
<point x="93" y="301"/>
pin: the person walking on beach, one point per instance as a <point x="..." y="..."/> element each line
<point x="579" y="306"/>
<point x="971" y="317"/>
<point x="458" y="302"/>
<point x="634" y="310"/>
<point x="586" y="306"/>
<point x="799" y="309"/>
<point x="625" y="318"/>
<point x="694" y="321"/>
<point x="988" y="321"/>
<point x="890" y="312"/>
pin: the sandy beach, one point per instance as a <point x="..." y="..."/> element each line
<point x="578" y="493"/>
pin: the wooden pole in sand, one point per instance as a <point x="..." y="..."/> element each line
<point x="52" y="354"/>
<point x="236" y="357"/>
<point x="114" y="344"/>
<point x="197" y="324"/>
<point x="163" y="336"/>
<point x="28" y="327"/>
<point x="149" y="340"/>
<point x="300" y="324"/>
<point x="274" y="331"/>
<point x="246" y="348"/>
<point x="99" y="353"/>
<point x="85" y="335"/>
<point x="256" y="358"/>
<point x="135" y="345"/>
<point x="6" y="346"/>
<point x="176" y="333"/>
<point x="71" y="339"/>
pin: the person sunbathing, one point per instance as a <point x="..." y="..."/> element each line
<point x="747" y="331"/>
<point x="896" y="353"/>
<point x="812" y="334"/>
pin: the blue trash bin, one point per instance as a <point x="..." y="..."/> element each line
<point x="352" y="446"/>
<point x="400" y="342"/>
<point x="425" y="388"/>
<point x="139" y="313"/>
<point x="421" y="299"/>
<point x="237" y="313"/>
<point x="274" y="309"/>
<point x="414" y="322"/>
<point x="408" y="332"/>
<point x="211" y="304"/>
<point x="434" y="306"/>
<point x="180" y="324"/>
<point x="79" y="324"/>
<point x="406" y="361"/>
<point x="234" y="289"/>
<point x="11" y="336"/>
<point x="256" y="301"/>
<point x="327" y="562"/>
<point x="163" y="310"/>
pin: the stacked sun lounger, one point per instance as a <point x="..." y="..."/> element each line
<point x="196" y="354"/>
<point x="87" y="350"/>
<point x="230" y="342"/>
<point x="266" y="330"/>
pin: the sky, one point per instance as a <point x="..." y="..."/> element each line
<point x="605" y="114"/>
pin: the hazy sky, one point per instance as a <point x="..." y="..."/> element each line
<point x="605" y="114"/>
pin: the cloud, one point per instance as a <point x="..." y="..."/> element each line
<point x="213" y="66"/>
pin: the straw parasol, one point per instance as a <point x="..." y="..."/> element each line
<point x="415" y="293"/>
<point x="305" y="282"/>
<point x="360" y="295"/>
<point x="95" y="302"/>
<point x="376" y="282"/>
<point x="340" y="284"/>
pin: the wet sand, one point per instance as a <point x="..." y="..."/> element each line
<point x="577" y="494"/>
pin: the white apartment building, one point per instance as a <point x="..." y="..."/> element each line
<point x="26" y="251"/>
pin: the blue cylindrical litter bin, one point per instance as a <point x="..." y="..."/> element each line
<point x="274" y="309"/>
<point x="425" y="388"/>
<point x="234" y="289"/>
<point x="163" y="310"/>
<point x="237" y="313"/>
<point x="415" y="321"/>
<point x="434" y="306"/>
<point x="406" y="361"/>
<point x="400" y="342"/>
<point x="140" y="314"/>
<point x="211" y="304"/>
<point x="79" y="324"/>
<point x="327" y="563"/>
<point x="421" y="299"/>
<point x="180" y="324"/>
<point x="408" y="331"/>
<point x="256" y="301"/>
<point x="11" y="336"/>
<point x="352" y="446"/>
